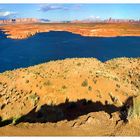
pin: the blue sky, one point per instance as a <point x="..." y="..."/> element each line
<point x="60" y="12"/>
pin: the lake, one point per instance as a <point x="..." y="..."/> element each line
<point x="55" y="45"/>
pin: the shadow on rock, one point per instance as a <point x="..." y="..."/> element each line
<point x="65" y="111"/>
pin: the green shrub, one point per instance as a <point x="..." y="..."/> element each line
<point x="47" y="83"/>
<point x="117" y="85"/>
<point x="15" y="120"/>
<point x="64" y="87"/>
<point x="35" y="98"/>
<point x="134" y="108"/>
<point x="95" y="81"/>
<point x="27" y="81"/>
<point x="89" y="88"/>
<point x="84" y="83"/>
<point x="78" y="64"/>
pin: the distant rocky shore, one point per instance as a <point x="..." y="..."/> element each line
<point x="21" y="31"/>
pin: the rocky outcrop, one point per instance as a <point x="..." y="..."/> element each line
<point x="67" y="81"/>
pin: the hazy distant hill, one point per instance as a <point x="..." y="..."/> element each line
<point x="18" y="20"/>
<point x="44" y="20"/>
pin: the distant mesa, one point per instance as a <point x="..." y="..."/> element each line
<point x="110" y="20"/>
<point x="19" y="20"/>
<point x="88" y="20"/>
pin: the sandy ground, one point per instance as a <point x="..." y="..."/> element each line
<point x="91" y="127"/>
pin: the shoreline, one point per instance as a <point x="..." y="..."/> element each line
<point x="67" y="59"/>
<point x="23" y="31"/>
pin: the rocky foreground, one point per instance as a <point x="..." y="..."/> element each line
<point x="80" y="95"/>
<point x="22" y="31"/>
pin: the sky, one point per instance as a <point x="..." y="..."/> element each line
<point x="66" y="12"/>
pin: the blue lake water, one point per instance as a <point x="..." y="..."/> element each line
<point x="54" y="45"/>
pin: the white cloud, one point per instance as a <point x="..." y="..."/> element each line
<point x="50" y="7"/>
<point x="6" y="13"/>
<point x="94" y="17"/>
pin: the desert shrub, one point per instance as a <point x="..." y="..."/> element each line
<point x="23" y="76"/>
<point x="89" y="88"/>
<point x="117" y="85"/>
<point x="2" y="106"/>
<point x="15" y="120"/>
<point x="84" y="83"/>
<point x="99" y="95"/>
<point x="116" y="90"/>
<point x="116" y="79"/>
<point x="66" y="71"/>
<point x="64" y="87"/>
<point x="134" y="108"/>
<point x="27" y="81"/>
<point x="30" y="91"/>
<point x="47" y="83"/>
<point x="79" y="64"/>
<point x="95" y="81"/>
<point x="90" y="71"/>
<point x="35" y="98"/>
